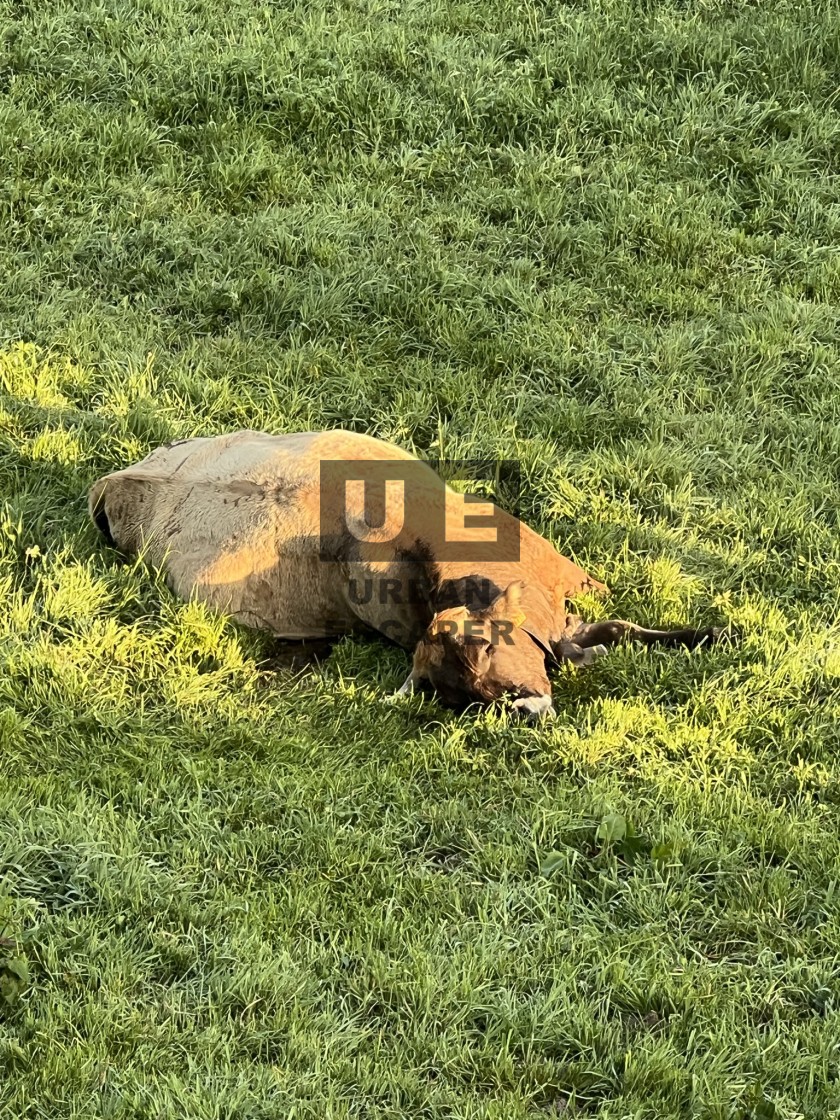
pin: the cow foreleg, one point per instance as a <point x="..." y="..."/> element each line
<point x="588" y="635"/>
<point x="405" y="689"/>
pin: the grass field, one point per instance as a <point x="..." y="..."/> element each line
<point x="601" y="238"/>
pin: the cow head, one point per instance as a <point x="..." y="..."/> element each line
<point x="480" y="656"/>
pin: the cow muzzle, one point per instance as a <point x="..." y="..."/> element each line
<point x="534" y="709"/>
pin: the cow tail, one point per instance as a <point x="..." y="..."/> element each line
<point x="98" y="513"/>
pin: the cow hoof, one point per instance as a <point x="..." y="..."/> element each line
<point x="593" y="653"/>
<point x="532" y="709"/>
<point x="729" y="635"/>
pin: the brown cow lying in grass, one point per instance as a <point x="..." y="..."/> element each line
<point x="268" y="530"/>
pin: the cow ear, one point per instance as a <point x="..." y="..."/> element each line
<point x="450" y="621"/>
<point x="508" y="605"/>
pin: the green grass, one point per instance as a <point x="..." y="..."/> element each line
<point x="599" y="237"/>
